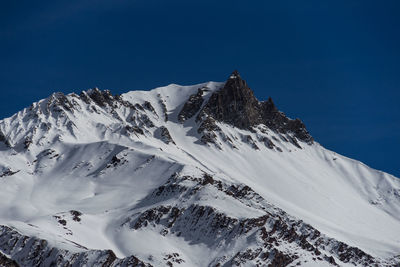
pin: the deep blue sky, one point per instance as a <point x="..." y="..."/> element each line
<point x="334" y="64"/>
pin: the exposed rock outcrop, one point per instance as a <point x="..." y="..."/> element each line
<point x="57" y="101"/>
<point x="192" y="106"/>
<point x="235" y="104"/>
<point x="8" y="172"/>
<point x="101" y="98"/>
<point x="272" y="232"/>
<point x="164" y="135"/>
<point x="4" y="139"/>
<point x="32" y="251"/>
<point x="6" y="262"/>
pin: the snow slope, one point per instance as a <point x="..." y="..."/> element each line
<point x="94" y="172"/>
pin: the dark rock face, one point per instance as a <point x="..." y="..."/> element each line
<point x="249" y="140"/>
<point x="8" y="172"/>
<point x="267" y="142"/>
<point x="207" y="129"/>
<point x="134" y="129"/>
<point x="192" y="106"/>
<point x="164" y="108"/>
<point x="101" y="98"/>
<point x="235" y="104"/>
<point x="147" y="105"/>
<point x="4" y="139"/>
<point x="76" y="215"/>
<point x="276" y="120"/>
<point x="27" y="142"/>
<point x="57" y="101"/>
<point x="32" y="251"/>
<point x="165" y="136"/>
<point x="6" y="262"/>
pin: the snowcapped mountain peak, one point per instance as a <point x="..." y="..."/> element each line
<point x="201" y="175"/>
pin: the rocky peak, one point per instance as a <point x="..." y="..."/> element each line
<point x="59" y="100"/>
<point x="101" y="98"/>
<point x="235" y="104"/>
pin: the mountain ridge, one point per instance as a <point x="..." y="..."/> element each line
<point x="206" y="174"/>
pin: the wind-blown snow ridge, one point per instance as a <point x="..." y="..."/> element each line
<point x="202" y="175"/>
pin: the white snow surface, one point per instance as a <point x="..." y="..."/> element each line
<point x="68" y="166"/>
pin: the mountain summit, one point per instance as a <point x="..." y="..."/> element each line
<point x="235" y="104"/>
<point x="202" y="175"/>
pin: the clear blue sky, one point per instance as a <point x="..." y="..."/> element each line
<point x="334" y="64"/>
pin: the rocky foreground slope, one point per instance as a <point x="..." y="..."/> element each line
<point x="202" y="175"/>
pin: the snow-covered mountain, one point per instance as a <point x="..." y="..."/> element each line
<point x="202" y="175"/>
